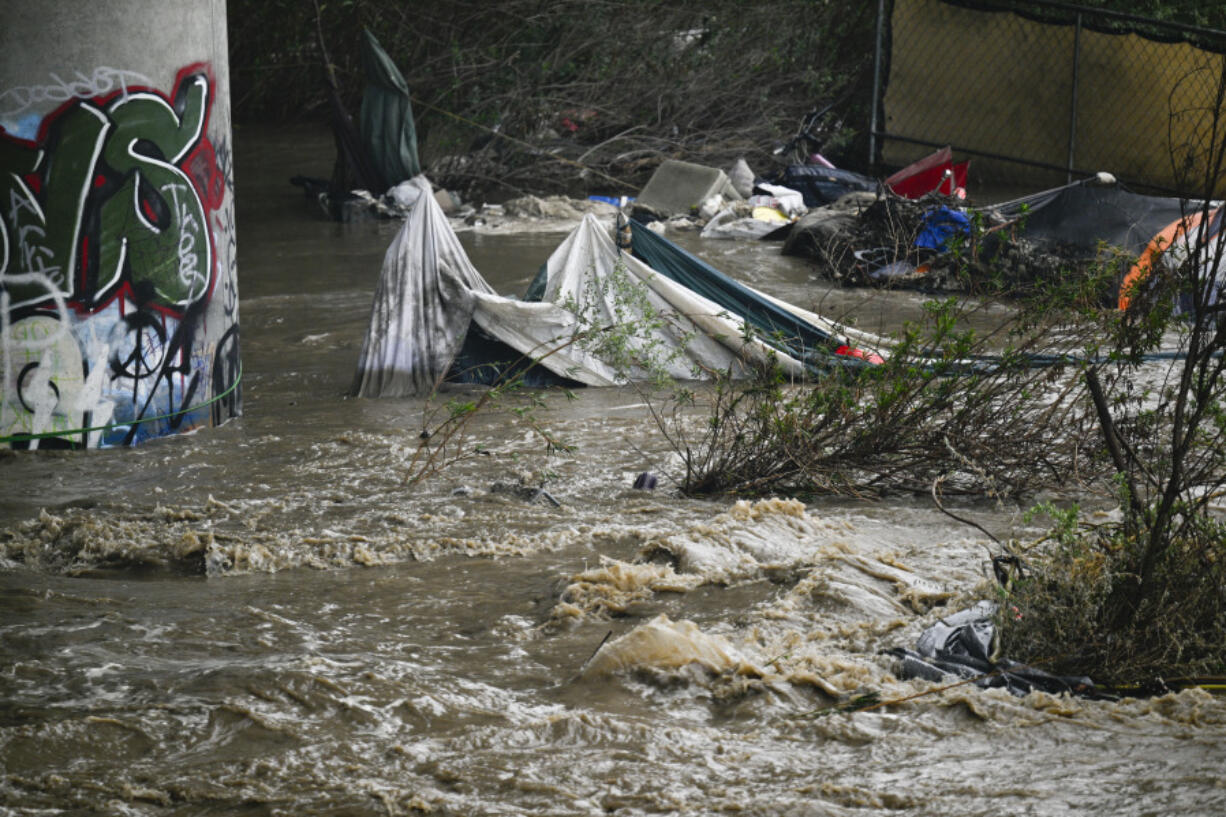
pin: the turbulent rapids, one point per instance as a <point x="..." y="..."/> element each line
<point x="263" y="619"/>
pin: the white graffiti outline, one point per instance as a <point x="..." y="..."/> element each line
<point x="172" y="167"/>
<point x="119" y="262"/>
<point x="31" y="203"/>
<point x="103" y="81"/>
<point x="189" y="144"/>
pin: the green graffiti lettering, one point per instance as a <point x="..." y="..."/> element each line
<point x="40" y="246"/>
<point x="108" y="185"/>
<point x="155" y="220"/>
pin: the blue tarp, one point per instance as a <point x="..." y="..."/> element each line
<point x="940" y="224"/>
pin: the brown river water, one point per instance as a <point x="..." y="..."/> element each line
<point x="355" y="646"/>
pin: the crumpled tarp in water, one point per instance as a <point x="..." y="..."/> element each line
<point x="429" y="293"/>
<point x="422" y="306"/>
<point x="959" y="647"/>
<point x="434" y="317"/>
<point x="794" y="332"/>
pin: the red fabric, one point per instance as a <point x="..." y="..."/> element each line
<point x="933" y="172"/>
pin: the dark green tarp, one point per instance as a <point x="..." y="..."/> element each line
<point x="775" y="325"/>
<point x="386" y="120"/>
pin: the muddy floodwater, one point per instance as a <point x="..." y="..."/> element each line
<point x="263" y="619"/>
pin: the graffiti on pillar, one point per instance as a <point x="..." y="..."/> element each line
<point x="111" y="210"/>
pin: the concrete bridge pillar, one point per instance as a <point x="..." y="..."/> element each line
<point x="118" y="287"/>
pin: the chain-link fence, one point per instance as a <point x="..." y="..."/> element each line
<point x="1046" y="94"/>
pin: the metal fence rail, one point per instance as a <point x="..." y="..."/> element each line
<point x="1048" y="94"/>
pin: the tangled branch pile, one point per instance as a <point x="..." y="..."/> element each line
<point x="970" y="413"/>
<point x="504" y="89"/>
<point x="867" y="240"/>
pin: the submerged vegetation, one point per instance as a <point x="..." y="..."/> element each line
<point x="1122" y="411"/>
<point x="951" y="409"/>
<point x="1142" y="595"/>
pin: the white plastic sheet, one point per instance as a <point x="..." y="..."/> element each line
<point x="604" y="318"/>
<point x="667" y="327"/>
<point x="428" y="295"/>
<point x="423" y="303"/>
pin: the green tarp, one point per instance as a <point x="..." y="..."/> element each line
<point x="775" y="324"/>
<point x="386" y="121"/>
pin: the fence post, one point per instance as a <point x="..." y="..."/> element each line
<point x="1072" y="125"/>
<point x="872" y="128"/>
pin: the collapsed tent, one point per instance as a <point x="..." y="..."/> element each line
<point x="1082" y="216"/>
<point x="1194" y="238"/>
<point x="593" y="317"/>
<point x="1079" y="219"/>
<point x="428" y="296"/>
<point x="960" y="647"/>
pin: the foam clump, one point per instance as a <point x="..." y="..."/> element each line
<point x="663" y="644"/>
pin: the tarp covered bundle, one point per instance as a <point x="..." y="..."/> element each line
<point x="375" y="154"/>
<point x="822" y="185"/>
<point x="597" y="317"/>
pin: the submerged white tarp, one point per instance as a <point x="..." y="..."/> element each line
<point x="428" y="295"/>
<point x="604" y="317"/>
<point x="422" y="306"/>
<point x="666" y="327"/>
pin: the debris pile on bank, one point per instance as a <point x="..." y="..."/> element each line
<point x="912" y="229"/>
